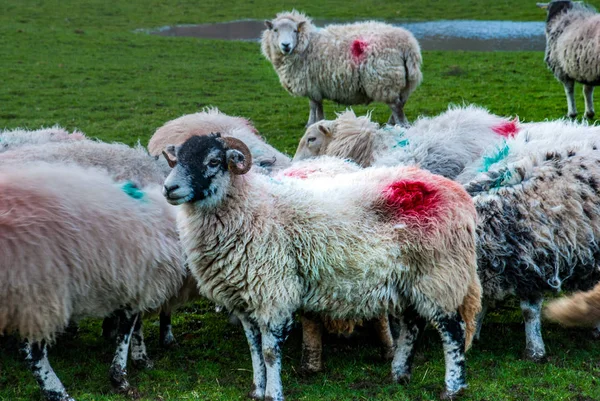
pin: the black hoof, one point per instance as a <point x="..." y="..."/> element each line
<point x="534" y="357"/>
<point x="145" y="363"/>
<point x="590" y="115"/>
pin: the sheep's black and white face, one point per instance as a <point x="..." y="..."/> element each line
<point x="202" y="169"/>
<point x="285" y="34"/>
<point x="556" y="8"/>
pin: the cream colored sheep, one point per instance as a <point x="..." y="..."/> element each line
<point x="11" y="139"/>
<point x="573" y="49"/>
<point x="211" y="120"/>
<point x="349" y="64"/>
<point x="75" y="244"/>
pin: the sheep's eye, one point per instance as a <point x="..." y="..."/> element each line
<point x="274" y="29"/>
<point x="311" y="139"/>
<point x="214" y="162"/>
<point x="295" y="31"/>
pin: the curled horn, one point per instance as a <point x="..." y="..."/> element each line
<point x="233" y="143"/>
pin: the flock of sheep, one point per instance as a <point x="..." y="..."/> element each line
<point x="400" y="224"/>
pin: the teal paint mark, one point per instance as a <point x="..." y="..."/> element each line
<point x="132" y="190"/>
<point x="502" y="179"/>
<point x="489" y="160"/>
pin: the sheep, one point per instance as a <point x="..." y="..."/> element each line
<point x="76" y="244"/>
<point x="122" y="162"/>
<point x="10" y="139"/>
<point x="177" y="131"/>
<point x="349" y="64"/>
<point x="580" y="309"/>
<point x="444" y="145"/>
<point x="573" y="49"/>
<point x="538" y="230"/>
<point x="355" y="245"/>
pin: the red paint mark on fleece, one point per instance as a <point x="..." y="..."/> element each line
<point x="507" y="129"/>
<point x="358" y="48"/>
<point x="411" y="198"/>
<point x="301" y="174"/>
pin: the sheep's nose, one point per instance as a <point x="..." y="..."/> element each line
<point x="170" y="188"/>
<point x="286" y="46"/>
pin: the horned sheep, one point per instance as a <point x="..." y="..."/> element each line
<point x="50" y="275"/>
<point x="349" y="64"/>
<point x="404" y="239"/>
<point x="573" y="49"/>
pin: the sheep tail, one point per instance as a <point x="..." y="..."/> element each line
<point x="469" y="309"/>
<point x="412" y="65"/>
<point x="580" y="309"/>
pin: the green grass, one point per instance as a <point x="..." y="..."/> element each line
<point x="80" y="64"/>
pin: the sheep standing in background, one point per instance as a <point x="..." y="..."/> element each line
<point x="10" y="139"/>
<point x="349" y="64"/>
<point x="444" y="144"/>
<point x="75" y="244"/>
<point x="211" y="120"/>
<point x="580" y="309"/>
<point x="573" y="49"/>
<point x="354" y="246"/>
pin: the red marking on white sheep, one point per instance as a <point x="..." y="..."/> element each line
<point x="358" y="49"/>
<point x="301" y="173"/>
<point x="507" y="129"/>
<point x="412" y="199"/>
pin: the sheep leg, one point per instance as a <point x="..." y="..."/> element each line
<point x="382" y="327"/>
<point x="588" y="95"/>
<point x="410" y="325"/>
<point x="36" y="355"/>
<point x="272" y="340"/>
<point x="312" y="345"/>
<point x="451" y="328"/>
<point x="398" y="117"/>
<point x="480" y="317"/>
<point x="534" y="344"/>
<point x="570" y="92"/>
<point x="166" y="338"/>
<point x="110" y="327"/>
<point x="316" y="112"/>
<point x="139" y="356"/>
<point x="253" y="336"/>
<point x="118" y="368"/>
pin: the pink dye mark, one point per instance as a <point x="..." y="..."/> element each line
<point x="358" y="49"/>
<point x="248" y="124"/>
<point x="417" y="199"/>
<point x="507" y="129"/>
<point x="301" y="174"/>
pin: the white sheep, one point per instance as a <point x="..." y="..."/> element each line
<point x="573" y="49"/>
<point x="444" y="144"/>
<point x="10" y="139"/>
<point x="349" y="64"/>
<point x="211" y="120"/>
<point x="76" y="244"/>
<point x="355" y="245"/>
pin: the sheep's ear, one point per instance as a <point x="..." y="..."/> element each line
<point x="237" y="162"/>
<point x="268" y="24"/>
<point x="301" y="25"/>
<point x="170" y="153"/>
<point x="324" y="130"/>
<point x="543" y="6"/>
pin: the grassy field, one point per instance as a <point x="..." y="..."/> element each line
<point x="81" y="65"/>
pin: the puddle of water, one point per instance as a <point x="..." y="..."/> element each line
<point x="432" y="35"/>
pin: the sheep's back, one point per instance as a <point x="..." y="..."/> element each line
<point x="76" y="245"/>
<point x="579" y="50"/>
